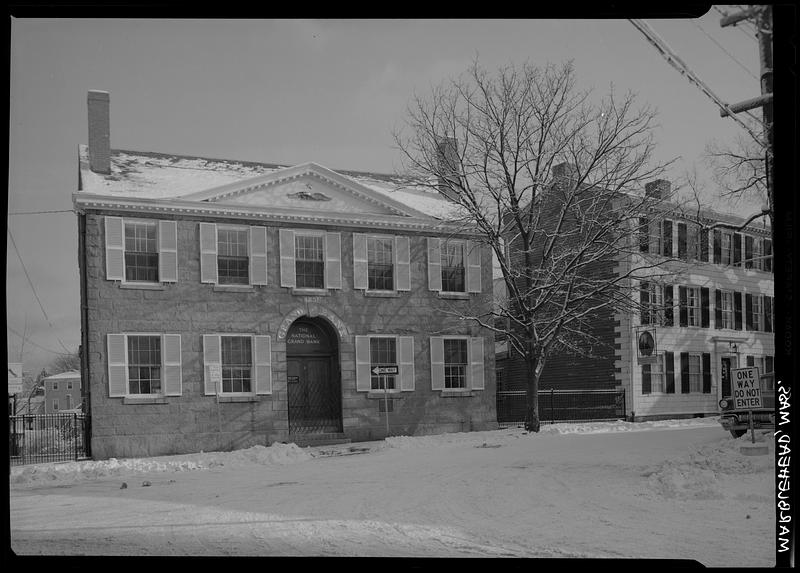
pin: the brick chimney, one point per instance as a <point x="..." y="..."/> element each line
<point x="447" y="164"/>
<point x="658" y="189"/>
<point x="99" y="132"/>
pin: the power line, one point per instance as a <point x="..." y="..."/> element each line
<point x="751" y="35"/>
<point x="679" y="65"/>
<point x="741" y="65"/>
<point x="24" y="338"/>
<point x="30" y="282"/>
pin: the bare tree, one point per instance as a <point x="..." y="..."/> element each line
<point x="567" y="246"/>
<point x="65" y="362"/>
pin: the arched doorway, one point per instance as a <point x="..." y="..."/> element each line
<point x="313" y="377"/>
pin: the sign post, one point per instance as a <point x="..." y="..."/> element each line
<point x="746" y="386"/>
<point x="383" y="373"/>
<point x="215" y="372"/>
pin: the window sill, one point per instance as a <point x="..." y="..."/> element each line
<point x="457" y="393"/>
<point x="234" y="288"/>
<point x="382" y="293"/>
<point x="454" y="295"/>
<point x="143" y="286"/>
<point x="144" y="400"/>
<point x="252" y="398"/>
<point x="310" y="292"/>
<point x="379" y="395"/>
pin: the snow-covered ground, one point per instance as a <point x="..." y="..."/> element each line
<point x="676" y="489"/>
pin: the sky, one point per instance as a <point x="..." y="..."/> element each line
<point x="292" y="91"/>
<point x="587" y="490"/>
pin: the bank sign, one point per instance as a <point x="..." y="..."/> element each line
<point x="746" y="388"/>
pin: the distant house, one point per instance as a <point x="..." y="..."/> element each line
<point x="231" y="303"/>
<point x="62" y="392"/>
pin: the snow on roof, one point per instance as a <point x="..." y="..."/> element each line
<point x="69" y="374"/>
<point x="163" y="176"/>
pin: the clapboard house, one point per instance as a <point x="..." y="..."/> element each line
<point x="230" y="304"/>
<point x="707" y="309"/>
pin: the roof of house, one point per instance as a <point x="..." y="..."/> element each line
<point x="159" y="176"/>
<point x="68" y="375"/>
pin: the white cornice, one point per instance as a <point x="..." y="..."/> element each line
<point x="92" y="202"/>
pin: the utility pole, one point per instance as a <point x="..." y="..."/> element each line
<point x="762" y="15"/>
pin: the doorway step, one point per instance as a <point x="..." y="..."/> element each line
<point x="319" y="439"/>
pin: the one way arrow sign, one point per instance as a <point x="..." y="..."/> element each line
<point x="385" y="370"/>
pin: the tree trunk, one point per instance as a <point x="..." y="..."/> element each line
<point x="532" y="395"/>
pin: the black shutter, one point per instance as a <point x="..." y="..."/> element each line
<point x="704" y="307"/>
<point x="706" y="373"/>
<point x="704" y="245"/>
<point x="669" y="368"/>
<point x="737" y="249"/>
<point x="668" y="306"/>
<point x="767" y="314"/>
<point x="683" y="250"/>
<point x="667" y="238"/>
<point x="767" y="255"/>
<point x="717" y="308"/>
<point x="769" y="364"/>
<point x="751" y="361"/>
<point x="737" y="310"/>
<point x="717" y="246"/>
<point x="684" y="372"/>
<point x="683" y="312"/>
<point x="748" y="311"/>
<point x="644" y="234"/>
<point x="644" y="303"/>
<point x="748" y="252"/>
<point x="646" y="379"/>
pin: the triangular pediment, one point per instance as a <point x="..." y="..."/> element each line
<point x="307" y="187"/>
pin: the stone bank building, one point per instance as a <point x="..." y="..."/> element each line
<point x="227" y="304"/>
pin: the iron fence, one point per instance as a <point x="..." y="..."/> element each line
<point x="562" y="405"/>
<point x="41" y="438"/>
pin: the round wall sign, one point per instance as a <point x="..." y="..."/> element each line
<point x="646" y="343"/>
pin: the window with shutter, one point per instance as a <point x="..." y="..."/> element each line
<point x="141" y="251"/>
<point x="233" y="260"/>
<point x="669" y="370"/>
<point x="453" y="266"/>
<point x="144" y="365"/>
<point x="309" y="259"/>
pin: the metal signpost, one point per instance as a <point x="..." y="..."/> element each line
<point x="383" y="372"/>
<point x="746" y="386"/>
<point x="215" y="372"/>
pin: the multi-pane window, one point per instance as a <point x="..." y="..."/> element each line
<point x="455" y="363"/>
<point x="237" y="363"/>
<point x="233" y="263"/>
<point x="727" y="309"/>
<point x="727" y="248"/>
<point x="695" y="373"/>
<point x="69" y="384"/>
<point x="653" y="376"/>
<point x="757" y="319"/>
<point x="141" y="251"/>
<point x="309" y="261"/>
<point x="693" y="306"/>
<point x="382" y="351"/>
<point x="758" y="253"/>
<point x="380" y="263"/>
<point x="55" y="385"/>
<point x="652" y="303"/>
<point x="144" y="364"/>
<point x="55" y="404"/>
<point x="453" y="267"/>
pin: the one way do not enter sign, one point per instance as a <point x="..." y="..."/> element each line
<point x="746" y="388"/>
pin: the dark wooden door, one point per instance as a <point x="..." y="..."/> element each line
<point x="314" y="401"/>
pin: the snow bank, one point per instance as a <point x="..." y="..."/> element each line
<point x="281" y="454"/>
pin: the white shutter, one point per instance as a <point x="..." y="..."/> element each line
<point x="363" y="364"/>
<point x="208" y="253"/>
<point x="117" y="365"/>
<point x="115" y="249"/>
<point x="333" y="260"/>
<point x="212" y="355"/>
<point x="434" y="264"/>
<point x="406" y="363"/>
<point x="437" y="363"/>
<point x="258" y="255"/>
<point x="360" y="264"/>
<point x="171" y="357"/>
<point x="473" y="256"/>
<point x="475" y="372"/>
<point x="262" y="363"/>
<point x="402" y="265"/>
<point x="168" y="251"/>
<point x="288" y="276"/>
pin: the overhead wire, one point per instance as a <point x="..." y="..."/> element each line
<point x="27" y="339"/>
<point x="33" y="288"/>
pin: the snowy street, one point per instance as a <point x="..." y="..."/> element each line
<point x="670" y="490"/>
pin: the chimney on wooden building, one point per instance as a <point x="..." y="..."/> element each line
<point x="99" y="131"/>
<point x="658" y="189"/>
